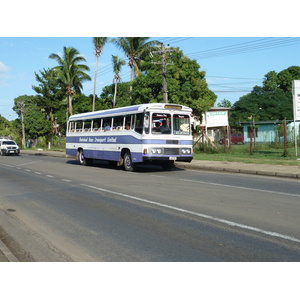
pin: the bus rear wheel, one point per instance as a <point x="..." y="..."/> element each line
<point x="128" y="164"/>
<point x="83" y="160"/>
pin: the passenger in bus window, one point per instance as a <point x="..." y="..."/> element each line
<point x="127" y="126"/>
<point x="107" y="127"/>
<point x="164" y="128"/>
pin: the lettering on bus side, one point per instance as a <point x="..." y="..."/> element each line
<point x="98" y="140"/>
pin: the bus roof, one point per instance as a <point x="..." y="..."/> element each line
<point x="129" y="109"/>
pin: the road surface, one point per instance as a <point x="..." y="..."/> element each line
<point x="53" y="209"/>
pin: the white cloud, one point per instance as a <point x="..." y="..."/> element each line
<point x="3" y="74"/>
<point x="3" y="68"/>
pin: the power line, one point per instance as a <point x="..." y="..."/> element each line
<point x="258" y="45"/>
<point x="225" y="77"/>
<point x="250" y="46"/>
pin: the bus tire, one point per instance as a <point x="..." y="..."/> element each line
<point x="128" y="164"/>
<point x="83" y="160"/>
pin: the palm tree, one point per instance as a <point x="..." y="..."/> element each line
<point x="134" y="48"/>
<point x="99" y="43"/>
<point x="70" y="72"/>
<point x="117" y="65"/>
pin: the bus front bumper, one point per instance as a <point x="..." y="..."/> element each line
<point x="167" y="158"/>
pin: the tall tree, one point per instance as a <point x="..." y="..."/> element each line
<point x="274" y="97"/>
<point x="70" y="72"/>
<point x="186" y="84"/>
<point x="224" y="103"/>
<point x="117" y="65"/>
<point x="49" y="98"/>
<point x="33" y="123"/>
<point x="99" y="43"/>
<point x="135" y="48"/>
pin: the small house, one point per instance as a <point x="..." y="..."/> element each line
<point x="271" y="131"/>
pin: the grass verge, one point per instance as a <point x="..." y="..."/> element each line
<point x="262" y="154"/>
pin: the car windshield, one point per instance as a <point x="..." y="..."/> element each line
<point x="9" y="143"/>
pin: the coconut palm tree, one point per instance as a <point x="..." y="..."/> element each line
<point x="134" y="48"/>
<point x="99" y="43"/>
<point x="70" y="72"/>
<point x="117" y="65"/>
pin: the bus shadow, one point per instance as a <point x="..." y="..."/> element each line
<point x="142" y="168"/>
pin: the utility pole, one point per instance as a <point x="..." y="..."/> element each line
<point x="164" y="64"/>
<point x="22" y="105"/>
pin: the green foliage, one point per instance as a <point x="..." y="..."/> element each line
<point x="35" y="122"/>
<point x="99" y="43"/>
<point x="136" y="49"/>
<point x="7" y="129"/>
<point x="274" y="97"/>
<point x="107" y="95"/>
<point x="224" y="103"/>
<point x="186" y="84"/>
<point x="70" y="73"/>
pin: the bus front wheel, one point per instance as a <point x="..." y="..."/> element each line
<point x="128" y="164"/>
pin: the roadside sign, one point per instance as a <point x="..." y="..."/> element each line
<point x="217" y="118"/>
<point x="296" y="99"/>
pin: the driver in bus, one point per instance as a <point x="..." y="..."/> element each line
<point x="157" y="127"/>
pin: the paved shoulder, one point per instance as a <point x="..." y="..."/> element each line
<point x="5" y="254"/>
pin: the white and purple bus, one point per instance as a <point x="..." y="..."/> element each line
<point x="156" y="133"/>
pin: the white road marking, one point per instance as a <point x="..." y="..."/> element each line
<point x="230" y="223"/>
<point x="29" y="163"/>
<point x="5" y="165"/>
<point x="240" y="187"/>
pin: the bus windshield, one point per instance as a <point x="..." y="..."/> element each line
<point x="164" y="123"/>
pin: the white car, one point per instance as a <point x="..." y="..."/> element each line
<point x="8" y="147"/>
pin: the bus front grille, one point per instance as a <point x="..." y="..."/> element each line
<point x="171" y="151"/>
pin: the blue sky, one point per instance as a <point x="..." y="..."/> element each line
<point x="233" y="65"/>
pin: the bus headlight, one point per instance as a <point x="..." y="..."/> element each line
<point x="185" y="151"/>
<point x="156" y="151"/>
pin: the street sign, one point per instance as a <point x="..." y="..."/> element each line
<point x="296" y="99"/>
<point x="216" y="118"/>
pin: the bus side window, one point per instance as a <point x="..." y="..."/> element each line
<point x="72" y="126"/>
<point x="147" y="122"/>
<point x="87" y="125"/>
<point x="79" y="126"/>
<point x="139" y="121"/>
<point x="96" y="124"/>
<point x="128" y="122"/>
<point x="118" y="122"/>
<point x="107" y="124"/>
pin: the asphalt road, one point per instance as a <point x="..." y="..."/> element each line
<point x="56" y="210"/>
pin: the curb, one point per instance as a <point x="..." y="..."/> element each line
<point x="239" y="170"/>
<point x="7" y="253"/>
